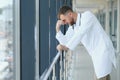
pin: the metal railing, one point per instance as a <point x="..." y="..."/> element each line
<point x="65" y="61"/>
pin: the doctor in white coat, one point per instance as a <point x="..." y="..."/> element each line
<point x="85" y="28"/>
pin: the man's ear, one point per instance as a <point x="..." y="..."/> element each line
<point x="70" y="14"/>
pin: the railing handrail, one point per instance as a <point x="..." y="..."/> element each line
<point x="47" y="73"/>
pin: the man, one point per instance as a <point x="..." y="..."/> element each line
<point x="85" y="28"/>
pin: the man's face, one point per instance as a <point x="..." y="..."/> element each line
<point x="67" y="18"/>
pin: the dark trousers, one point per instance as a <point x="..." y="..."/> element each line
<point x="104" y="78"/>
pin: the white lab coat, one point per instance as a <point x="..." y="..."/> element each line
<point x="91" y="34"/>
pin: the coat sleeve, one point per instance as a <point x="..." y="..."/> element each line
<point x="61" y="38"/>
<point x="86" y="23"/>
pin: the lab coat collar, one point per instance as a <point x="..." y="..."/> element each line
<point x="78" y="20"/>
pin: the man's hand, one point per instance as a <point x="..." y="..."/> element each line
<point x="58" y="25"/>
<point x="61" y="47"/>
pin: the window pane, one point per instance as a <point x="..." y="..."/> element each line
<point x="6" y="40"/>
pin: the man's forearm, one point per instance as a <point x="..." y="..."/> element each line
<point x="57" y="29"/>
<point x="58" y="25"/>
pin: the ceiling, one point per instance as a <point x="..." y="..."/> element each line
<point x="93" y="5"/>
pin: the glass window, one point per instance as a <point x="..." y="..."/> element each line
<point x="6" y="40"/>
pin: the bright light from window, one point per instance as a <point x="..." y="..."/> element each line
<point x="6" y="40"/>
<point x="4" y="3"/>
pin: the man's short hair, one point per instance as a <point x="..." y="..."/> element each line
<point x="64" y="10"/>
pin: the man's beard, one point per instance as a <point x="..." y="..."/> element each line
<point x="72" y="22"/>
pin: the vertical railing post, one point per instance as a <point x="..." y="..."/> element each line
<point x="64" y="65"/>
<point x="54" y="77"/>
<point x="61" y="67"/>
<point x="118" y="39"/>
<point x="107" y="23"/>
<point x="67" y="65"/>
<point x="70" y="64"/>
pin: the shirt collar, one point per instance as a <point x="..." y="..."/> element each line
<point x="78" y="20"/>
